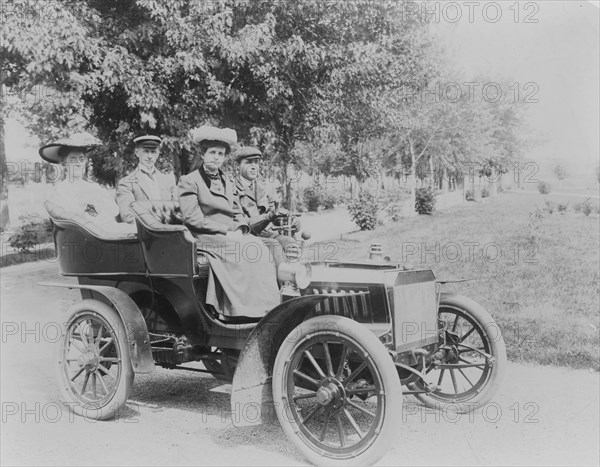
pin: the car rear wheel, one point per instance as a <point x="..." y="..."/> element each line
<point x="337" y="393"/>
<point x="94" y="366"/>
<point x="469" y="367"/>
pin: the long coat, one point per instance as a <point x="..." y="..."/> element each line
<point x="255" y="202"/>
<point x="136" y="187"/>
<point x="242" y="279"/>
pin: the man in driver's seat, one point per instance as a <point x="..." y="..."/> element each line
<point x="257" y="202"/>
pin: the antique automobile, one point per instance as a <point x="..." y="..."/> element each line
<point x="330" y="361"/>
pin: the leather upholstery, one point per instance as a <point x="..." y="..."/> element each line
<point x="60" y="215"/>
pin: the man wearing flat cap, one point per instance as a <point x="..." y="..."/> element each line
<point x="256" y="201"/>
<point x="146" y="182"/>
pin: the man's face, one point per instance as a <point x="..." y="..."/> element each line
<point x="147" y="155"/>
<point x="250" y="168"/>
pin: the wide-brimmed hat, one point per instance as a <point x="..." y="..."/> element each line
<point x="211" y="133"/>
<point x="84" y="141"/>
<point x="147" y="141"/>
<point x="247" y="151"/>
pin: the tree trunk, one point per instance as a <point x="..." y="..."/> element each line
<point x="4" y="212"/>
<point x="411" y="178"/>
<point x="493" y="183"/>
<point x="445" y="181"/>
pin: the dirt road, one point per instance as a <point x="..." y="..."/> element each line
<point x="541" y="415"/>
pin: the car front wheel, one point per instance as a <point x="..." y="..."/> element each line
<point x="337" y="393"/>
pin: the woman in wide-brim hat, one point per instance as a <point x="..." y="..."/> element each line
<point x="74" y="192"/>
<point x="243" y="279"/>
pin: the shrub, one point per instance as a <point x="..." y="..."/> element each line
<point x="544" y="187"/>
<point x="587" y="207"/>
<point x="425" y="200"/>
<point x="562" y="207"/>
<point x="32" y="231"/>
<point x="500" y="189"/>
<point x="577" y="207"/>
<point x="550" y="206"/>
<point x="485" y="192"/>
<point x="363" y="210"/>
<point x="469" y="196"/>
<point x="330" y="197"/>
<point x="312" y="197"/>
<point x="393" y="200"/>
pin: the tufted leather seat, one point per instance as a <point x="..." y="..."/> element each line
<point x="60" y="215"/>
<point x="168" y="245"/>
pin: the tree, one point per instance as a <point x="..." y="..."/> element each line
<point x="560" y="171"/>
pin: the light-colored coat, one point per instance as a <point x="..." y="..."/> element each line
<point x="135" y="187"/>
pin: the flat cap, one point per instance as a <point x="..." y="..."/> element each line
<point x="211" y="133"/>
<point x="82" y="140"/>
<point x="149" y="141"/>
<point x="247" y="151"/>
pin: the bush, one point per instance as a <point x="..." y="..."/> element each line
<point x="587" y="207"/>
<point x="32" y="231"/>
<point x="485" y="193"/>
<point x="393" y="200"/>
<point x="577" y="207"/>
<point x="330" y="197"/>
<point x="550" y="206"/>
<point x="562" y="207"/>
<point x="544" y="187"/>
<point x="312" y="197"/>
<point x="469" y="195"/>
<point x="425" y="200"/>
<point x="363" y="210"/>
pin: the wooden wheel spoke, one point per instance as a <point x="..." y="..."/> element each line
<point x="342" y="362"/>
<point x="453" y="381"/>
<point x="341" y="432"/>
<point x="362" y="390"/>
<point x="324" y="427"/>
<point x="109" y="359"/>
<point x="355" y="373"/>
<point x="467" y="334"/>
<point x="87" y="378"/>
<point x="74" y="342"/>
<point x="455" y="324"/>
<point x="464" y="360"/>
<point x="94" y="384"/>
<point x="328" y="362"/>
<point x="99" y="336"/>
<point x="350" y="418"/>
<point x="102" y="383"/>
<point x="311" y="414"/>
<point x="439" y="383"/>
<point x="103" y="348"/>
<point x="361" y="409"/>
<point x="104" y="370"/>
<point x="306" y="377"/>
<point x="465" y="377"/>
<point x="304" y="396"/>
<point x="77" y="374"/>
<point x="314" y="363"/>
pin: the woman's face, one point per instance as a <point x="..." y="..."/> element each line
<point x="75" y="164"/>
<point x="213" y="158"/>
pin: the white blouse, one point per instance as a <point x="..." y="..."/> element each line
<point x="91" y="200"/>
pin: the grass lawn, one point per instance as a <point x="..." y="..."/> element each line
<point x="542" y="292"/>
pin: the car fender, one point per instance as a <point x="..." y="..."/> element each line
<point x="251" y="391"/>
<point x="136" y="330"/>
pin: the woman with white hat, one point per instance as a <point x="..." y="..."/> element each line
<point x="243" y="280"/>
<point x="75" y="192"/>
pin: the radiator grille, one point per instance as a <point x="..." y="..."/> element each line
<point x="352" y="303"/>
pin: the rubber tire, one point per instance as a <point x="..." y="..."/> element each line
<point x="498" y="351"/>
<point x="120" y="396"/>
<point x="389" y="377"/>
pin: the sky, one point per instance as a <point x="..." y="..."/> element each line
<point x="550" y="49"/>
<point x="554" y="61"/>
